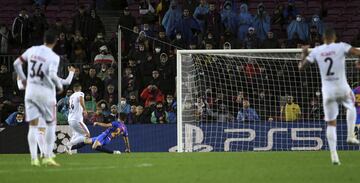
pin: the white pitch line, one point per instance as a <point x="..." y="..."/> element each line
<point x="57" y="169"/>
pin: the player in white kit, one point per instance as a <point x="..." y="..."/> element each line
<point x="76" y="111"/>
<point x="330" y="57"/>
<point x="42" y="123"/>
<point x="40" y="99"/>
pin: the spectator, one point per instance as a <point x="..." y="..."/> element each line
<point x="99" y="41"/>
<point x="167" y="70"/>
<point x="63" y="103"/>
<point x="5" y="36"/>
<point x="98" y="116"/>
<point x="291" y="110"/>
<point x="147" y="12"/>
<point x="38" y="25"/>
<point x="156" y="80"/>
<point x="247" y="114"/>
<point x="172" y="16"/>
<point x="278" y="17"/>
<point x="95" y="93"/>
<point x="123" y="106"/>
<point x="229" y="38"/>
<point x="159" y="115"/>
<point x="244" y="22"/>
<point x="63" y="46"/>
<point x="140" y="117"/>
<point x="290" y="12"/>
<point x="190" y="5"/>
<point x="314" y="36"/>
<point x="21" y="29"/>
<point x="95" y="25"/>
<point x="127" y="22"/>
<point x="110" y="95"/>
<point x="103" y="72"/>
<point x="318" y="23"/>
<point x="298" y="26"/>
<point x="209" y="38"/>
<point x="16" y="118"/>
<point x="80" y="21"/>
<point x="261" y="22"/>
<point x="104" y="57"/>
<point x="228" y="17"/>
<point x="237" y="103"/>
<point x="110" y="78"/>
<point x="133" y="99"/>
<point x="5" y="80"/>
<point x="147" y="29"/>
<point x="170" y="108"/>
<point x="315" y="111"/>
<point x="200" y="14"/>
<point x="151" y="94"/>
<point x="295" y="41"/>
<point x="251" y="41"/>
<point x="179" y="41"/>
<point x="213" y="20"/>
<point x="78" y="54"/>
<point x="113" y="116"/>
<point x="147" y="69"/>
<point x="105" y="107"/>
<point x="94" y="80"/>
<point x="59" y="26"/>
<point x="90" y="103"/>
<point x="159" y="44"/>
<point x="270" y="41"/>
<point x="131" y="116"/>
<point x="77" y="78"/>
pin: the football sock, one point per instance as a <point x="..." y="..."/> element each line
<point x="103" y="149"/>
<point x="50" y="139"/>
<point x="41" y="141"/>
<point x="78" y="146"/>
<point x="350" y="120"/>
<point x="32" y="136"/>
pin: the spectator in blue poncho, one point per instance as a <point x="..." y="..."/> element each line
<point x="171" y="18"/>
<point x="261" y="22"/>
<point x="228" y="17"/>
<point x="188" y="27"/>
<point x="244" y="22"/>
<point x="290" y="11"/>
<point x="298" y="26"/>
<point x="200" y="13"/>
<point x="318" y="23"/>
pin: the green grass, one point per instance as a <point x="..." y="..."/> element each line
<point x="268" y="167"/>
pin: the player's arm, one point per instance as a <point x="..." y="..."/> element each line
<point x="82" y="104"/>
<point x="53" y="74"/>
<point x="69" y="78"/>
<point x="18" y="66"/>
<point x="106" y="125"/>
<point x="354" y="51"/>
<point x="127" y="144"/>
<point x="304" y="58"/>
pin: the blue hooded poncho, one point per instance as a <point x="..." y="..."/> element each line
<point x="244" y="22"/>
<point x="171" y="18"/>
<point x="228" y="17"/>
<point x="261" y="22"/>
<point x="299" y="27"/>
<point x="201" y="10"/>
<point x="315" y="21"/>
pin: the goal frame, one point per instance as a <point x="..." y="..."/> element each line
<point x="179" y="53"/>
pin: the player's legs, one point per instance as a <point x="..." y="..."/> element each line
<point x="32" y="114"/>
<point x="349" y="104"/>
<point x="50" y="136"/>
<point x="331" y="110"/>
<point x="81" y="132"/>
<point x="41" y="141"/>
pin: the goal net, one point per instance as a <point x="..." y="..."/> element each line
<point x="252" y="100"/>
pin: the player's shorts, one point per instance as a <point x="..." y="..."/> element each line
<point x="102" y="138"/>
<point x="331" y="105"/>
<point x="41" y="123"/>
<point x="45" y="108"/>
<point x="78" y="128"/>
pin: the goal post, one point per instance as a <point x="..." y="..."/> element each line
<point x="251" y="100"/>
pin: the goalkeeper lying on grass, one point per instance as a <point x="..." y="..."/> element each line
<point x="114" y="129"/>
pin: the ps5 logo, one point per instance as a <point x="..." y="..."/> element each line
<point x="194" y="139"/>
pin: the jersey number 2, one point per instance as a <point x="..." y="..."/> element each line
<point x="39" y="72"/>
<point x="329" y="73"/>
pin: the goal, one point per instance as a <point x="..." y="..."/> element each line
<point x="252" y="100"/>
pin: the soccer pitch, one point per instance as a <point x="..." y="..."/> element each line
<point x="268" y="167"/>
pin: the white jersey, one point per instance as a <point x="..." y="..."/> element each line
<point x="41" y="62"/>
<point x="331" y="61"/>
<point x="75" y="109"/>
